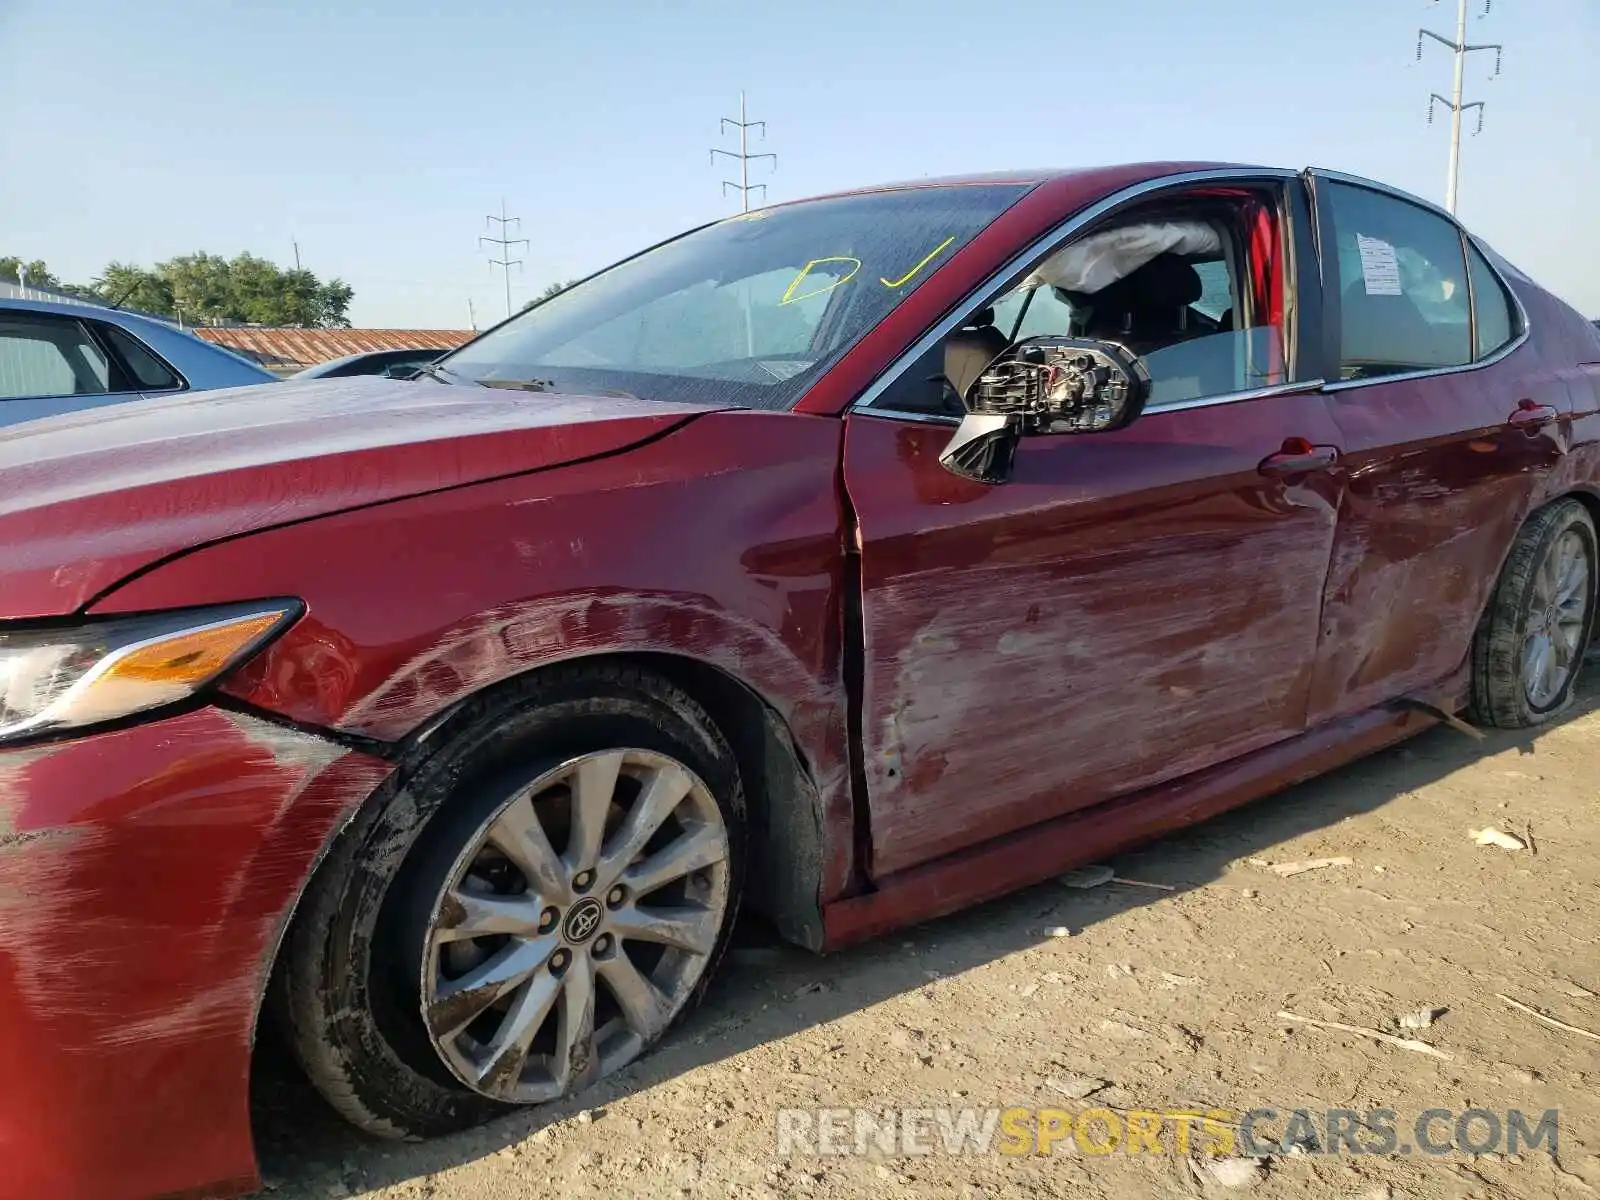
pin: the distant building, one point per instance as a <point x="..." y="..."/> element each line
<point x="285" y="351"/>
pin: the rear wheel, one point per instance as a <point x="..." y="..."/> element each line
<point x="544" y="899"/>
<point x="1530" y="646"/>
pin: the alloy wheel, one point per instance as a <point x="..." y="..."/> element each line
<point x="546" y="970"/>
<point x="1558" y="606"/>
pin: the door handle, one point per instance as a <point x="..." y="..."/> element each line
<point x="1297" y="457"/>
<point x="1531" y="417"/>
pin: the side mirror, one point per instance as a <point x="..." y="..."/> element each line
<point x="1044" y="385"/>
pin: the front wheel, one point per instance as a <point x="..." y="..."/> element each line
<point x="545" y="898"/>
<point x="1530" y="646"/>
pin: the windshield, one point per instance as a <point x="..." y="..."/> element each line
<point x="745" y="312"/>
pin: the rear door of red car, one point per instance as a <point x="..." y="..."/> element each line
<point x="1449" y="418"/>
<point x="1127" y="608"/>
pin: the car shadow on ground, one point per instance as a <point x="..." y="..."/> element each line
<point x="767" y="990"/>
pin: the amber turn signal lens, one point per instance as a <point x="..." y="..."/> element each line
<point x="188" y="658"/>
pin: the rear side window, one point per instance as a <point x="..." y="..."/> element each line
<point x="1494" y="320"/>
<point x="49" y="356"/>
<point x="149" y="373"/>
<point x="1404" y="304"/>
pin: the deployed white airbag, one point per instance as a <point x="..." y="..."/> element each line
<point x="1103" y="258"/>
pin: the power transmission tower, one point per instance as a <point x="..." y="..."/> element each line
<point x="744" y="187"/>
<point x="507" y="262"/>
<point x="1460" y="48"/>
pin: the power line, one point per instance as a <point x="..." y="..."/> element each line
<point x="507" y="262"/>
<point x="1460" y="48"/>
<point x="744" y="158"/>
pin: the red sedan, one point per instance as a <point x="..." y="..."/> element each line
<point x="855" y="560"/>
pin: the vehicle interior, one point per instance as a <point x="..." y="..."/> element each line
<point x="1193" y="288"/>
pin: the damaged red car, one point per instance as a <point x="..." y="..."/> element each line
<point x="851" y="560"/>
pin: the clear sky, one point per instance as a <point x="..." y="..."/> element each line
<point x="379" y="134"/>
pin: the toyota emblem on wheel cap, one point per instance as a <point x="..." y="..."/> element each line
<point x="582" y="921"/>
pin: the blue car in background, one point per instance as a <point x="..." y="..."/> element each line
<point x="60" y="357"/>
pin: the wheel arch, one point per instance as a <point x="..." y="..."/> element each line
<point x="1586" y="495"/>
<point x="785" y="806"/>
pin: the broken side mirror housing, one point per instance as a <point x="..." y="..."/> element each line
<point x="1044" y="385"/>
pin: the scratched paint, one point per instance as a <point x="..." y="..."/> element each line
<point x="1077" y="634"/>
<point x="84" y="502"/>
<point x="145" y="876"/>
<point x="1438" y="487"/>
<point x="749" y="583"/>
<point x="1013" y="635"/>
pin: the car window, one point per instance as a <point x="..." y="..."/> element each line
<point x="746" y="311"/>
<point x="43" y="357"/>
<point x="710" y="322"/>
<point x="1032" y="312"/>
<point x="1492" y="310"/>
<point x="1401" y="279"/>
<point x="1179" y="304"/>
<point x="148" y="371"/>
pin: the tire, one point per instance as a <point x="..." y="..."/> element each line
<point x="1509" y="689"/>
<point x="368" y="947"/>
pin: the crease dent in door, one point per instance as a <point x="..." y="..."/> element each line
<point x="1439" y="483"/>
<point x="1055" y="658"/>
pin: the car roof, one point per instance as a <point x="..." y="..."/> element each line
<point x="103" y="312"/>
<point x="152" y="330"/>
<point x="1033" y="177"/>
<point x="1124" y="173"/>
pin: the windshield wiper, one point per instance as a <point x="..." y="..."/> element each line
<point x="519" y="385"/>
<point x="546" y="385"/>
<point x="445" y="375"/>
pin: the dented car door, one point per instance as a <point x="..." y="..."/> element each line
<point x="1128" y="608"/>
<point x="1451" y="425"/>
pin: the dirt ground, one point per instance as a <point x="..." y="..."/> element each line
<point x="1170" y="998"/>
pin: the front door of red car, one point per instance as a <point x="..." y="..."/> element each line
<point x="1449" y="420"/>
<point x="1127" y="608"/>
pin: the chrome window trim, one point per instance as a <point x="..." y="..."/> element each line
<point x="1260" y="393"/>
<point x="1040" y="246"/>
<point x="1467" y="239"/>
<point x="1263" y="393"/>
<point x="1345" y="385"/>
<point x="1372" y="185"/>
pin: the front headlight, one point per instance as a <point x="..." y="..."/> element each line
<point x="97" y="671"/>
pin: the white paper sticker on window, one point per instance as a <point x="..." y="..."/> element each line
<point x="1380" y="267"/>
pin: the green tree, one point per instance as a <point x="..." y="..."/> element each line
<point x="333" y="304"/>
<point x="551" y="289"/>
<point x="38" y="274"/>
<point x="127" y="286"/>
<point x="201" y="288"/>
